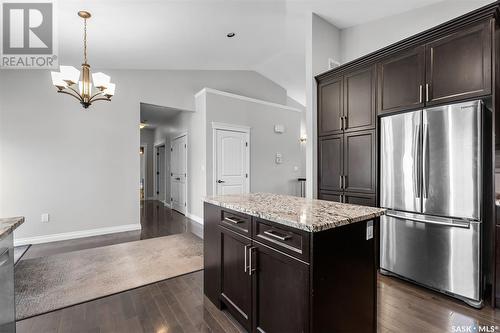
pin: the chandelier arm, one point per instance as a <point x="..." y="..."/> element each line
<point x="77" y="93"/>
<point x="99" y="93"/>
<point x="71" y="94"/>
<point x="102" y="99"/>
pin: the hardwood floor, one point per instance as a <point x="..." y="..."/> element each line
<point x="156" y="221"/>
<point x="178" y="305"/>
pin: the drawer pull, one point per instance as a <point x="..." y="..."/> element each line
<point x="273" y="234"/>
<point x="233" y="221"/>
<point x="4" y="257"/>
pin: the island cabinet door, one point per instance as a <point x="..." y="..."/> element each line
<point x="280" y="292"/>
<point x="236" y="281"/>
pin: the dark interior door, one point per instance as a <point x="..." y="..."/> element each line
<point x="236" y="283"/>
<point x="330" y="162"/>
<point x="359" y="161"/>
<point x="459" y="65"/>
<point x="401" y="81"/>
<point x="330" y="107"/>
<point x="281" y="292"/>
<point x="359" y="99"/>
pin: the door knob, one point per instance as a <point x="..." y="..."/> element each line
<point x="220" y="181"/>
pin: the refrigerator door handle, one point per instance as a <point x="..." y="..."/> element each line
<point x="448" y="222"/>
<point x="425" y="166"/>
<point x="416" y="162"/>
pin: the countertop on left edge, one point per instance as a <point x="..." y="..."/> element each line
<point x="9" y="224"/>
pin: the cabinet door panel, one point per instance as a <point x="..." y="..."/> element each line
<point x="359" y="99"/>
<point x="401" y="81"/>
<point x="330" y="107"/>
<point x="236" y="283"/>
<point x="459" y="65"/>
<point x="360" y="199"/>
<point x="329" y="196"/>
<point x="359" y="161"/>
<point x="330" y="162"/>
<point x="281" y="292"/>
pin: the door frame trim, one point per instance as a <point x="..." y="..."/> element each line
<point x="145" y="159"/>
<point x="234" y="128"/>
<point x="186" y="187"/>
<point x="155" y="161"/>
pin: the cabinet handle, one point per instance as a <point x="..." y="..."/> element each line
<point x="344" y="182"/>
<point x="345" y="123"/>
<point x="341" y="122"/>
<point x="420" y="93"/>
<point x="233" y="221"/>
<point x="246" y="260"/>
<point x="340" y="182"/>
<point x="250" y="269"/>
<point x="273" y="233"/>
<point x="426" y="92"/>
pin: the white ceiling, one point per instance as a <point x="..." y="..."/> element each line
<point x="156" y="115"/>
<point x="270" y="34"/>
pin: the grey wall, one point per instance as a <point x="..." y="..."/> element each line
<point x="265" y="174"/>
<point x="365" y="38"/>
<point x="82" y="166"/>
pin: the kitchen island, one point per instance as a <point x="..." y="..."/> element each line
<point x="287" y="264"/>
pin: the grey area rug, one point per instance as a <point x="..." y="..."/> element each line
<point x="50" y="283"/>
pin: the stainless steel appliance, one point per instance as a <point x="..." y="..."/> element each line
<point x="431" y="185"/>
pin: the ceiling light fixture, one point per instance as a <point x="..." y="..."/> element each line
<point x="231" y="35"/>
<point x="67" y="80"/>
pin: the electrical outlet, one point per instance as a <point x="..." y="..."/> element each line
<point x="279" y="158"/>
<point x="369" y="230"/>
<point x="45" y="217"/>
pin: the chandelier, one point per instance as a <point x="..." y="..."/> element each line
<point x="67" y="80"/>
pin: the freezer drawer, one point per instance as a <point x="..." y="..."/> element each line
<point x="7" y="304"/>
<point x="433" y="253"/>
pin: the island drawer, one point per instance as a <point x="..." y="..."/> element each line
<point x="236" y="222"/>
<point x="291" y="241"/>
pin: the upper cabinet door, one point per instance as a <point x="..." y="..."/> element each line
<point x="330" y="108"/>
<point x="359" y="162"/>
<point x="459" y="65"/>
<point x="330" y="162"/>
<point x="359" y="100"/>
<point x="401" y="81"/>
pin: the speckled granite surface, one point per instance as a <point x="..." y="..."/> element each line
<point x="305" y="214"/>
<point x="9" y="224"/>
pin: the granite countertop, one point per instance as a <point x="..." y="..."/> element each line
<point x="305" y="214"/>
<point x="9" y="224"/>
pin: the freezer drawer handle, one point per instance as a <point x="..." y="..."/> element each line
<point x="4" y="257"/>
<point x="458" y="224"/>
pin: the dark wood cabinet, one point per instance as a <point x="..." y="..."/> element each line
<point x="330" y="111"/>
<point x="330" y="196"/>
<point x="359" y="162"/>
<point x="459" y="65"/>
<point x="281" y="303"/>
<point x="330" y="171"/>
<point x="236" y="282"/>
<point x="359" y="100"/>
<point x="361" y="199"/>
<point x="401" y="81"/>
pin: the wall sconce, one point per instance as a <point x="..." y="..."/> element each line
<point x="303" y="139"/>
<point x="141" y="151"/>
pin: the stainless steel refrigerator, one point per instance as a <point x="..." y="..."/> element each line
<point x="430" y="163"/>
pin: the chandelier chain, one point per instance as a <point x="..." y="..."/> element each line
<point x="85" y="41"/>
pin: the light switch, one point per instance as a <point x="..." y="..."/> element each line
<point x="279" y="158"/>
<point x="45" y="217"/>
<point x="279" y="128"/>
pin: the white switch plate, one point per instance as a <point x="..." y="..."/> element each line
<point x="369" y="230"/>
<point x="45" y="217"/>
<point x="279" y="128"/>
<point x="279" y="158"/>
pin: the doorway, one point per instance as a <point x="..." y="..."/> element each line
<point x="160" y="173"/>
<point x="178" y="173"/>
<point x="231" y="159"/>
<point x="143" y="187"/>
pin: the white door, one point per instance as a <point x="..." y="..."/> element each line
<point x="232" y="160"/>
<point x="178" y="174"/>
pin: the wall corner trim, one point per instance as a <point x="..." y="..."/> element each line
<point x="75" y="234"/>
<point x="204" y="91"/>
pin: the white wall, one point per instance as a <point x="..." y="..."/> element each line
<point x="365" y="38"/>
<point x="82" y="166"/>
<point x="322" y="43"/>
<point x="265" y="174"/>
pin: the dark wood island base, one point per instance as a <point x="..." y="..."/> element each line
<point x="274" y="277"/>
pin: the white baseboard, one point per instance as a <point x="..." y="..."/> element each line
<point x="166" y="204"/>
<point x="76" y="234"/>
<point x="195" y="225"/>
